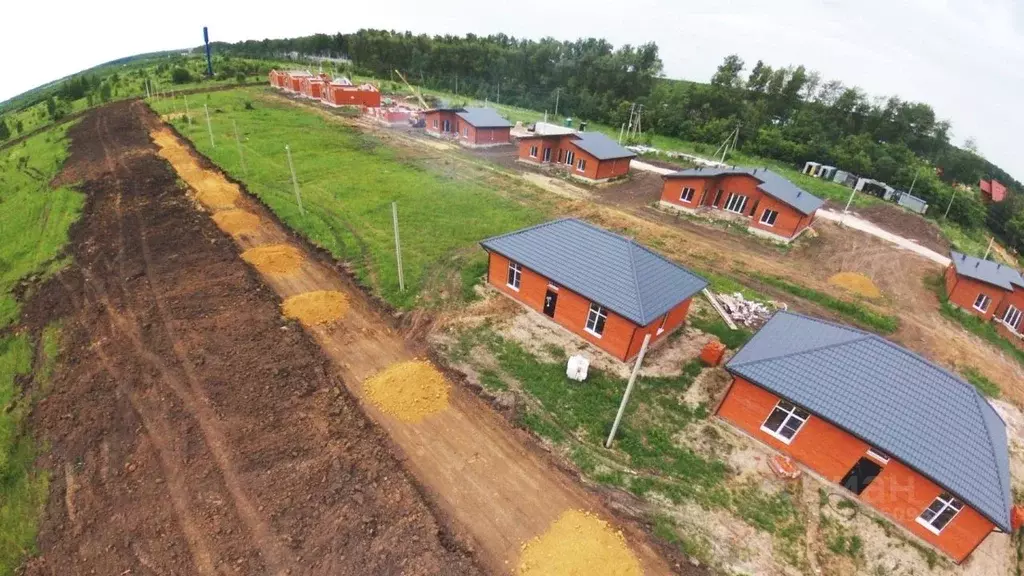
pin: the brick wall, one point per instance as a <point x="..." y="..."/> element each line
<point x="963" y="292"/>
<point x="898" y="491"/>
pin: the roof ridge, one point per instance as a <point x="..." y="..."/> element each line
<point x="528" y="229"/>
<point x="805" y="351"/>
<point x="988" y="432"/>
<point x="636" y="279"/>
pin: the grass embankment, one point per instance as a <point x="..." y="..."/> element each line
<point x="34" y="222"/>
<point x="651" y="457"/>
<point x="855" y="312"/>
<point x="347" y="182"/>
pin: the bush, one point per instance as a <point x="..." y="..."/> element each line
<point x="240" y="78"/>
<point x="181" y="76"/>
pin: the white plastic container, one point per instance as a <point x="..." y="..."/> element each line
<point x="577" y="367"/>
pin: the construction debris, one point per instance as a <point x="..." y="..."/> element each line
<point x="750" y="313"/>
<point x="783" y="467"/>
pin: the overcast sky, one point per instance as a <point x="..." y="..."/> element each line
<point x="964" y="57"/>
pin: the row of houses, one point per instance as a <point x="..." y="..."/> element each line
<point x="866" y="185"/>
<point x="337" y="92"/>
<point x="890" y="428"/>
<point x="989" y="290"/>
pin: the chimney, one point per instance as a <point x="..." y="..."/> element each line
<point x="976" y="264"/>
<point x="963" y="257"/>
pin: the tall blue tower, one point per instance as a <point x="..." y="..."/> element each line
<point x="209" y="61"/>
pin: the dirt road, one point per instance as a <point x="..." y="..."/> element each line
<point x="191" y="429"/>
<point x="488" y="477"/>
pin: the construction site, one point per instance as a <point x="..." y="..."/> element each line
<point x="325" y="326"/>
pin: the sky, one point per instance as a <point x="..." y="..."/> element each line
<point x="963" y="57"/>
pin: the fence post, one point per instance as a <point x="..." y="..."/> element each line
<point x="187" y="115"/>
<point x="241" y="156"/>
<point x="295" y="181"/>
<point x="398" y="247"/>
<point x="209" y="126"/>
<point x="629" y="390"/>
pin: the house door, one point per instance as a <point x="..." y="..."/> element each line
<point x="861" y="475"/>
<point x="446" y="126"/>
<point x="550" y="300"/>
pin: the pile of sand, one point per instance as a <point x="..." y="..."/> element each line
<point x="274" y="259"/>
<point x="578" y="543"/>
<point x="212" y="189"/>
<point x="409" y="391"/>
<point x="236" y="222"/>
<point x="319" y="307"/>
<point x="856" y="283"/>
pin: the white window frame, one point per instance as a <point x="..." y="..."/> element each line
<point x="688" y="198"/>
<point x="946" y="501"/>
<point x="533" y="151"/>
<point x="581" y="165"/>
<point x="1015" y="314"/>
<point x="596" y="313"/>
<point x="878" y="455"/>
<point x="547" y="154"/>
<point x="465" y="132"/>
<point x="570" y="157"/>
<point x="435" y="123"/>
<point x="517" y="275"/>
<point x="985" y="302"/>
<point x="790" y="415"/>
<point x="769" y="214"/>
<point x="733" y="200"/>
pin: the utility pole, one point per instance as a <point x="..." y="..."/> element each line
<point x="911" y="192"/>
<point x="241" y="156"/>
<point x="295" y="181"/>
<point x="398" y="247"/>
<point x="187" y="116"/>
<point x="621" y="128"/>
<point x="499" y="93"/>
<point x="989" y="249"/>
<point x="629" y="128"/>
<point x="950" y="204"/>
<point x="456" y="84"/>
<point x="209" y="126"/>
<point x="629" y="390"/>
<point x="558" y="92"/>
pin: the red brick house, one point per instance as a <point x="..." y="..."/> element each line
<point x="313" y="86"/>
<point x="278" y="79"/>
<point x="772" y="205"/>
<point x="606" y="289"/>
<point x="341" y="92"/>
<point x="473" y="127"/>
<point x="590" y="156"/>
<point x="899" y="433"/>
<point x="992" y="190"/>
<point x="293" y="80"/>
<point x="989" y="290"/>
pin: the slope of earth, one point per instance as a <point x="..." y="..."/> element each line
<point x="192" y="429"/>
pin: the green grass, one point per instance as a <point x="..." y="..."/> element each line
<point x="714" y="325"/>
<point x="34" y="218"/>
<point x="348" y="181"/>
<point x="979" y="381"/>
<point x="853" y="311"/>
<point x="984" y="330"/>
<point x="23" y="489"/>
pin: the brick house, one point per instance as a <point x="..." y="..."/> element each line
<point x="293" y="80"/>
<point x="590" y="156"/>
<point x="277" y="79"/>
<point x="772" y="205"/>
<point x="989" y="290"/>
<point x="341" y="92"/>
<point x="901" y="434"/>
<point x="474" y="127"/>
<point x="606" y="289"/>
<point x="313" y="86"/>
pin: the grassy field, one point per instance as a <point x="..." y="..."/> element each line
<point x="34" y="222"/>
<point x="35" y="218"/>
<point x="853" y="311"/>
<point x="348" y="181"/>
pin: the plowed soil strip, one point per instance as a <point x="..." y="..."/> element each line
<point x="499" y="491"/>
<point x="193" y="429"/>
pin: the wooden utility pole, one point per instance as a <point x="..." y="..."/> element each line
<point x="295" y="181"/>
<point x="398" y="247"/>
<point x="951" y="198"/>
<point x="989" y="249"/>
<point x="238" y="142"/>
<point x="558" y="93"/>
<point x="209" y="126"/>
<point x="629" y="390"/>
<point x="187" y="116"/>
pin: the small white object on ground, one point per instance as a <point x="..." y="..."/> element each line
<point x="577" y="367"/>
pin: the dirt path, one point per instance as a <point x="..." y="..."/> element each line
<point x="499" y="490"/>
<point x="192" y="429"/>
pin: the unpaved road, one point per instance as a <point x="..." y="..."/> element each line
<point x="191" y="429"/>
<point x="486" y="476"/>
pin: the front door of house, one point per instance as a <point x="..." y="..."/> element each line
<point x="446" y="126"/>
<point x="861" y="475"/>
<point x="550" y="301"/>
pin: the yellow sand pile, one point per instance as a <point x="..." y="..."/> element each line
<point x="212" y="189"/>
<point x="856" y="283"/>
<point x="578" y="543"/>
<point x="274" y="259"/>
<point x="409" y="391"/>
<point x="236" y="222"/>
<point x="319" y="307"/>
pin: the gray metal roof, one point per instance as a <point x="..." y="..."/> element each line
<point x="483" y="118"/>
<point x="605" y="268"/>
<point x="772" y="184"/>
<point x="889" y="397"/>
<point x="601" y="147"/>
<point x="986" y="271"/>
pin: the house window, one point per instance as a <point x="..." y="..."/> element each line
<point x="687" y="195"/>
<point x="435" y="123"/>
<point x="533" y="151"/>
<point x="981" y="303"/>
<point x="570" y="156"/>
<point x="718" y="198"/>
<point x="596" y="319"/>
<point x="1012" y="317"/>
<point x="465" y="132"/>
<point x="581" y="165"/>
<point x="515" y="274"/>
<point x="939" y="514"/>
<point x="785" y="421"/>
<point x="736" y="203"/>
<point x="547" y="154"/>
<point x="878" y="455"/>
<point x="768" y="217"/>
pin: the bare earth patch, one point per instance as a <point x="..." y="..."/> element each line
<point x="409" y="391"/>
<point x="236" y="222"/>
<point x="275" y="259"/>
<point x="317" y="307"/>
<point x="578" y="543"/>
<point x="855" y="283"/>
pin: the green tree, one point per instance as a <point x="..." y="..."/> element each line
<point x="181" y="76"/>
<point x="5" y="132"/>
<point x="728" y="73"/>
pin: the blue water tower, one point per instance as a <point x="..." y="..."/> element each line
<point x="209" y="61"/>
